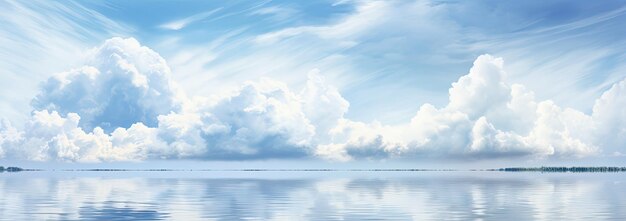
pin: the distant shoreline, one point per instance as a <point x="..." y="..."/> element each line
<point x="507" y="169"/>
<point x="565" y="169"/>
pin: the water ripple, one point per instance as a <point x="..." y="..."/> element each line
<point x="411" y="196"/>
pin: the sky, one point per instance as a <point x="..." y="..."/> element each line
<point x="321" y="82"/>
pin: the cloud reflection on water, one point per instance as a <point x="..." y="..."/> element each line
<point x="423" y="196"/>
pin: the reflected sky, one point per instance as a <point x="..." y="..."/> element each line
<point x="311" y="196"/>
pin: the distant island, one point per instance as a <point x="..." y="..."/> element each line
<point x="565" y="169"/>
<point x="10" y="169"/>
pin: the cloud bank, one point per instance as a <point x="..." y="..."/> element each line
<point x="123" y="83"/>
<point x="123" y="106"/>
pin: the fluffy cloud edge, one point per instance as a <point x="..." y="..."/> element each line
<point x="76" y="118"/>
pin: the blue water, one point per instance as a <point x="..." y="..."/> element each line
<point x="312" y="196"/>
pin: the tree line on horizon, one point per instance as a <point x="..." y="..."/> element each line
<point x="564" y="169"/>
<point x="10" y="169"/>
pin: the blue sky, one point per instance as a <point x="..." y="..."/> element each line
<point x="372" y="71"/>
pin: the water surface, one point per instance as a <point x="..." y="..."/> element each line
<point x="332" y="195"/>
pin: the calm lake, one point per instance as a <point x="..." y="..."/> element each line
<point x="332" y="195"/>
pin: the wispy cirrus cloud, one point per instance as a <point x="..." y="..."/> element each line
<point x="182" y="23"/>
<point x="41" y="38"/>
<point x="277" y="13"/>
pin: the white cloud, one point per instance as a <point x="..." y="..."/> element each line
<point x="366" y="16"/>
<point x="8" y="135"/>
<point x="276" y="13"/>
<point x="50" y="136"/>
<point x="130" y="84"/>
<point x="609" y="112"/>
<point x="182" y="23"/>
<point x="482" y="89"/>
<point x="39" y="38"/>
<point x="322" y="104"/>
<point x="485" y="117"/>
<point x="260" y="120"/>
<point x="121" y="84"/>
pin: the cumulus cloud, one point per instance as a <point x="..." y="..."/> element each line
<point x="123" y="83"/>
<point x="260" y="120"/>
<point x="322" y="104"/>
<point x="50" y="136"/>
<point x="609" y="114"/>
<point x="8" y="135"/>
<point x="123" y="106"/>
<point x="485" y="117"/>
